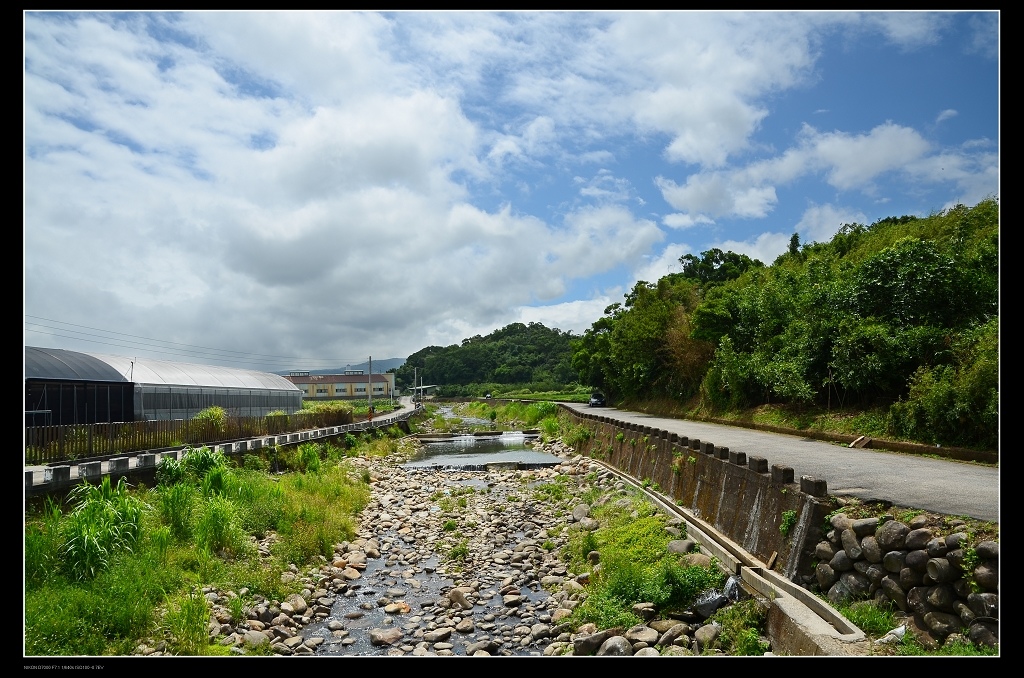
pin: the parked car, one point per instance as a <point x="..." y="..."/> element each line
<point x="596" y="400"/>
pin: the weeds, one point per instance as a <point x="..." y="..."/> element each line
<point x="788" y="521"/>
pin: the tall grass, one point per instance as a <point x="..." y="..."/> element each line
<point x="635" y="567"/>
<point x="121" y="565"/>
<point x="105" y="520"/>
<point x="185" y="621"/>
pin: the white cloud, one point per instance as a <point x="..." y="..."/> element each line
<point x="571" y="316"/>
<point x="657" y="267"/>
<point x="766" y="247"/>
<point x="945" y="115"/>
<point x="324" y="184"/>
<point x="718" y="194"/>
<point x="820" y="222"/>
<point x="853" y="161"/>
<point x="678" y="220"/>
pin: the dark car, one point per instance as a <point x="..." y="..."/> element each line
<point x="596" y="400"/>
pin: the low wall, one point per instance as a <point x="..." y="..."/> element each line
<point x="774" y="518"/>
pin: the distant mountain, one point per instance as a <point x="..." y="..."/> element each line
<point x="379" y="367"/>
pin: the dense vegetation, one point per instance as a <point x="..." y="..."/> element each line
<point x="515" y="354"/>
<point x="902" y="314"/>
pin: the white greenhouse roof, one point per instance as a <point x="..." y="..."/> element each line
<point x="60" y="364"/>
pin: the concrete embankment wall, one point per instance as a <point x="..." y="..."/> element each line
<point x="775" y="519"/>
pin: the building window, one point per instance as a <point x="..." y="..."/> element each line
<point x="321" y="390"/>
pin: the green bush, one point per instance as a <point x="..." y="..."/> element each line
<point x="215" y="417"/>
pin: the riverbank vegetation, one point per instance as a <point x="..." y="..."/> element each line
<point x="889" y="330"/>
<point x="113" y="565"/>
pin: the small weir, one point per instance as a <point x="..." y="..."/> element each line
<point x="481" y="451"/>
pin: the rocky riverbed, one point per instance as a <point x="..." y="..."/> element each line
<point x="450" y="563"/>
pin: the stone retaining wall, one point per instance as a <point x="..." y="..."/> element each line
<point x="944" y="584"/>
<point x="781" y="524"/>
<point x="763" y="508"/>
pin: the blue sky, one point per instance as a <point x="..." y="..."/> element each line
<point x="301" y="190"/>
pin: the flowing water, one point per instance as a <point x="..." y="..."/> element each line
<point x="477" y="453"/>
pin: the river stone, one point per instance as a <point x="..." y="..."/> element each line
<point x="909" y="578"/>
<point x="936" y="547"/>
<point x="892" y="535"/>
<point x="840" y="522"/>
<point x="917" y="560"/>
<point x="672" y="633"/>
<point x="616" y="646"/>
<point x="641" y="633"/>
<point x="984" y="633"/>
<point x="941" y="624"/>
<point x="380" y="636"/>
<point x="986" y="574"/>
<point x="895" y="593"/>
<point x="956" y="540"/>
<point x="823" y="551"/>
<point x="870" y="549"/>
<point x="984" y="604"/>
<point x="841" y="562"/>
<point x="856" y="583"/>
<point x="917" y="600"/>
<point x="942" y="597"/>
<point x="647" y="652"/>
<point x="706" y="635"/>
<point x="589" y="644"/>
<point x="864" y="526"/>
<point x="917" y="539"/>
<point x="825" y="575"/>
<point x="987" y="550"/>
<point x="894" y="561"/>
<point x="851" y="544"/>
<point x="680" y="546"/>
<point x="875" y="573"/>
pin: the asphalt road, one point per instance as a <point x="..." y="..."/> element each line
<point x="939" y="486"/>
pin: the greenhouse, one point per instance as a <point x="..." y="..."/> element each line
<point x="71" y="387"/>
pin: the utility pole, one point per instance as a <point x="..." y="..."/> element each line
<point x="415" y="371"/>
<point x="369" y="390"/>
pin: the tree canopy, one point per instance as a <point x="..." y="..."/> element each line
<point x="902" y="313"/>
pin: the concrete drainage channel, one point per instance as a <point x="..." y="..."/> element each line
<point x="799" y="623"/>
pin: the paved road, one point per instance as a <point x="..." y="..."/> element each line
<point x="935" y="485"/>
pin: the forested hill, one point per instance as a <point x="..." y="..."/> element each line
<point x="902" y="314"/>
<point x="515" y="354"/>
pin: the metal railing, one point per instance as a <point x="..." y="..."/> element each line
<point x="48" y="444"/>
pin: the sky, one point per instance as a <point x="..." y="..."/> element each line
<point x="307" y="190"/>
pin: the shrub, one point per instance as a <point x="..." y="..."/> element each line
<point x="215" y="417"/>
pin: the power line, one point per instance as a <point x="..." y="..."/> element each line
<point x="172" y="348"/>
